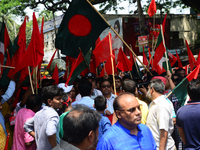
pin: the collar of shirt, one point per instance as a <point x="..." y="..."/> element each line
<point x="112" y="96"/>
<point x="127" y="130"/>
<point x="158" y="99"/>
<point x="193" y="102"/>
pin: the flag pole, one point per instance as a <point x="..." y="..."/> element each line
<point x="7" y="66"/>
<point x="30" y="80"/>
<point x="119" y="37"/>
<point x="168" y="94"/>
<point x="112" y="64"/>
<point x="153" y="40"/>
<point x="135" y="64"/>
<point x="164" y="47"/>
<point x="36" y="71"/>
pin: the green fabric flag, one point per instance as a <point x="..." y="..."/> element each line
<point x="81" y="64"/>
<point x="136" y="70"/>
<point x="180" y="90"/>
<point x="79" y="29"/>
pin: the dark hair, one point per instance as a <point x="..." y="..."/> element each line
<point x="178" y="70"/>
<point x="126" y="77"/>
<point x="79" y="122"/>
<point x="118" y="26"/>
<point x="33" y="101"/>
<point x="3" y="87"/>
<point x="49" y="92"/>
<point x="47" y="82"/>
<point x="103" y="80"/>
<point x="116" y="105"/>
<point x="65" y="99"/>
<point x="117" y="77"/>
<point x="193" y="88"/>
<point x="100" y="103"/>
<point x="158" y="85"/>
<point x="129" y="86"/>
<point x="85" y="88"/>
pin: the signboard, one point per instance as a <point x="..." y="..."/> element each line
<point x="143" y="42"/>
<point x="117" y="43"/>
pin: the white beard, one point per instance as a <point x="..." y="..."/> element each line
<point x="148" y="95"/>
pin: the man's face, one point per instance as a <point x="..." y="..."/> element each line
<point x="105" y="87"/>
<point x="93" y="82"/>
<point x="72" y="93"/>
<point x="95" y="140"/>
<point x="130" y="113"/>
<point x="56" y="103"/>
<point x="118" y="83"/>
<point x="182" y="73"/>
<point x="148" y="95"/>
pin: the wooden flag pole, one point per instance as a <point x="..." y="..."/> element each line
<point x="135" y="64"/>
<point x="168" y="94"/>
<point x="36" y="71"/>
<point x="7" y="67"/>
<point x="130" y="75"/>
<point x="112" y="64"/>
<point x="165" y="47"/>
<point x="29" y="72"/>
<point x="119" y="37"/>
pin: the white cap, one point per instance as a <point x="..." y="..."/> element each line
<point x="65" y="87"/>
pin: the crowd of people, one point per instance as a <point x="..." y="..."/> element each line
<point x="90" y="115"/>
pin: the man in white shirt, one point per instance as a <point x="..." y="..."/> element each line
<point x="159" y="119"/>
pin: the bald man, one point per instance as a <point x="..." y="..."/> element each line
<point x="128" y="132"/>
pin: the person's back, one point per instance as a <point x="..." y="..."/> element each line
<point x="188" y="117"/>
<point x="100" y="103"/>
<point x="23" y="115"/>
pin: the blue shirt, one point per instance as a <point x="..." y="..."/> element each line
<point x="86" y="100"/>
<point x="188" y="118"/>
<point x="119" y="138"/>
<point x="104" y="125"/>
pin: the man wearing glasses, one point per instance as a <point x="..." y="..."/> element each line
<point x="106" y="91"/>
<point x="128" y="132"/>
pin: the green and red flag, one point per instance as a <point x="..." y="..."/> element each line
<point x="180" y="90"/>
<point x="80" y="28"/>
<point x="172" y="59"/>
<point x="191" y="58"/>
<point x="34" y="53"/>
<point x="152" y="8"/>
<point x="179" y="61"/>
<point x="145" y="61"/>
<point x="135" y="67"/>
<point x="124" y="63"/>
<point x="81" y="63"/>
<point x="160" y="61"/>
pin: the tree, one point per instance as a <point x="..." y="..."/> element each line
<point x="194" y="4"/>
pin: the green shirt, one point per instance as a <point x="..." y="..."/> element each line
<point x="61" y="132"/>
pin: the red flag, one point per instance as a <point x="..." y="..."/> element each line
<point x="172" y="59"/>
<point x="151" y="60"/>
<point x="108" y="67"/>
<point x="145" y="61"/>
<point x="123" y="63"/>
<point x="50" y="62"/>
<point x="191" y="58"/>
<point x="97" y="41"/>
<point x="102" y="51"/>
<point x="198" y="60"/>
<point x="152" y="8"/>
<point x="76" y="64"/>
<point x="55" y="75"/>
<point x="179" y="61"/>
<point x="93" y="65"/>
<point x="34" y="53"/>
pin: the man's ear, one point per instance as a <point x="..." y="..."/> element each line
<point x="118" y="114"/>
<point x="123" y="91"/>
<point x="93" y="105"/>
<point x="91" y="136"/>
<point x="49" y="102"/>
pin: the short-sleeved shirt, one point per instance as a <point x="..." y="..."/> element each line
<point x="110" y="103"/>
<point x="86" y="101"/>
<point x="160" y="116"/>
<point x="20" y="136"/>
<point x="119" y="138"/>
<point x="104" y="125"/>
<point x="188" y="118"/>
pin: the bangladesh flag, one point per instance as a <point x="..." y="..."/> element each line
<point x="80" y="28"/>
<point x="80" y="65"/>
<point x="180" y="90"/>
<point x="160" y="60"/>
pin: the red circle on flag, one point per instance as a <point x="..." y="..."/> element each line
<point x="79" y="25"/>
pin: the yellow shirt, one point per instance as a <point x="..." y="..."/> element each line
<point x="144" y="111"/>
<point x="2" y="138"/>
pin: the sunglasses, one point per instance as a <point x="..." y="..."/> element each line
<point x="133" y="109"/>
<point x="104" y="86"/>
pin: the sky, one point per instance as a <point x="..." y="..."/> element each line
<point x="125" y="4"/>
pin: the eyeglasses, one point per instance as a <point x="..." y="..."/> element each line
<point x="104" y="86"/>
<point x="133" y="109"/>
